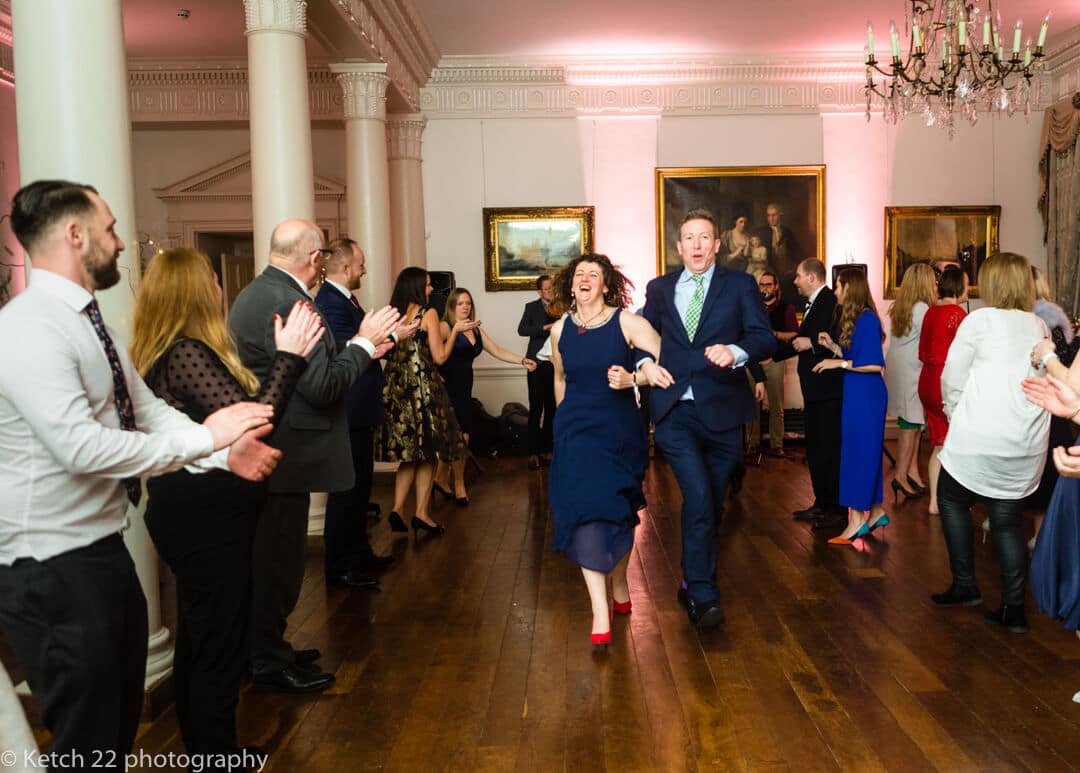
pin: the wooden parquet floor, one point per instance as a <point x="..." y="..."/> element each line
<point x="475" y="656"/>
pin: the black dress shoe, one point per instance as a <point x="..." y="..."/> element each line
<point x="957" y="596"/>
<point x="350" y="580"/>
<point x="291" y="680"/>
<point x="705" y="614"/>
<point x="735" y="484"/>
<point x="1009" y="615"/>
<point x="684" y="598"/>
<point x="374" y="563"/>
<point x="828" y="520"/>
<point x="808" y="514"/>
<point x="306" y="657"/>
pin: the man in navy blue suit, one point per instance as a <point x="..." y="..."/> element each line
<point x="712" y="323"/>
<point x="345" y="530"/>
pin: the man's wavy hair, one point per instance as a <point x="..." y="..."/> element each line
<point x="618" y="286"/>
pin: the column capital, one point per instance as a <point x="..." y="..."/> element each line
<point x="364" y="88"/>
<point x="276" y="16"/>
<point x="403" y="135"/>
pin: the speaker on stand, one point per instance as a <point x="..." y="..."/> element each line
<point x="442" y="282"/>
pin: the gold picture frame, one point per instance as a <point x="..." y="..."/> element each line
<point x="732" y="192"/>
<point x="524" y="243"/>
<point x="960" y="235"/>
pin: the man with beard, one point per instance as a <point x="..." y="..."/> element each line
<point x="77" y="429"/>
<point x="784" y="323"/>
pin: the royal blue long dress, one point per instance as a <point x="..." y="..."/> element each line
<point x="1055" y="564"/>
<point x="862" y="417"/>
<point x="600" y="453"/>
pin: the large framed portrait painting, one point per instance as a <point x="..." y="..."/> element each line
<point x="769" y="217"/>
<point x="523" y="243"/>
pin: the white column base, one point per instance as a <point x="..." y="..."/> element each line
<point x="159" y="658"/>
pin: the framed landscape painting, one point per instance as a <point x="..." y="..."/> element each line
<point x="523" y="243"/>
<point x="961" y="236"/>
<point x="782" y="208"/>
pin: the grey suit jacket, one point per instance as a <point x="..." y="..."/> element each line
<point x="313" y="435"/>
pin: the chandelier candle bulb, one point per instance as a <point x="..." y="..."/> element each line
<point x="1017" y="34"/>
<point x="895" y="40"/>
<point x="1042" y="30"/>
<point x="961" y="31"/>
<point x="869" y="41"/>
<point x="1027" y="55"/>
<point x="916" y="33"/>
<point x="986" y="33"/>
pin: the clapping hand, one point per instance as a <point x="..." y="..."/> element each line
<point x="300" y="332"/>
<point x="405" y="332"/>
<point x="1067" y="461"/>
<point x="252" y="459"/>
<point x="227" y="424"/>
<point x="1039" y="351"/>
<point x="1053" y="395"/>
<point x="824" y="339"/>
<point x="465" y="325"/>
<point x="377" y="325"/>
<point x="828" y="364"/>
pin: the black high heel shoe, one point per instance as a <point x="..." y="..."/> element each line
<point x="423" y="526"/>
<point x="396" y="522"/>
<point x="897" y="489"/>
<point x="461" y="501"/>
<point x="920" y="490"/>
<point x="435" y="485"/>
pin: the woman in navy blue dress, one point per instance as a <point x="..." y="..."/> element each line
<point x="601" y="448"/>
<point x="862" y="413"/>
<point x="466" y="340"/>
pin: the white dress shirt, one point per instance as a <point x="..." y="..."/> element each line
<point x="997" y="439"/>
<point x="63" y="456"/>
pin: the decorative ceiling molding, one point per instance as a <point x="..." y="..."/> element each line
<point x="276" y="15"/>
<point x="596" y="86"/>
<point x="171" y="92"/>
<point x="211" y="184"/>
<point x="394" y="33"/>
<point x="1064" y="63"/>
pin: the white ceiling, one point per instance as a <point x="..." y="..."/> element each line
<point x="523" y="28"/>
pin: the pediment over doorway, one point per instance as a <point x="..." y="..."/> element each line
<point x="231" y="181"/>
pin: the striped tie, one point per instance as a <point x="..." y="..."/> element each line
<point x="693" y="311"/>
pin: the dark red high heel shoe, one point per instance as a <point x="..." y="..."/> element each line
<point x="600" y="639"/>
<point x="622" y="607"/>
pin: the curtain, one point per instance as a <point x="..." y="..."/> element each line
<point x="1059" y="201"/>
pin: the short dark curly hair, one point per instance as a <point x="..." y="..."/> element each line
<point x="618" y="286"/>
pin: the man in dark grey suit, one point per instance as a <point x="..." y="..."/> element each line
<point x="313" y="436"/>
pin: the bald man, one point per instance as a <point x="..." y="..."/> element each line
<point x="313" y="435"/>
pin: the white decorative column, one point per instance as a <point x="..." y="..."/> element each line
<point x="403" y="137"/>
<point x="72" y="117"/>
<point x="282" y="176"/>
<point x="367" y="175"/>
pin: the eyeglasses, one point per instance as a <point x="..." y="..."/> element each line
<point x="324" y="252"/>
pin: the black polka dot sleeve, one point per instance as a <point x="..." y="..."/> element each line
<point x="192" y="378"/>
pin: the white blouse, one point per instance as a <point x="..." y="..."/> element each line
<point x="997" y="440"/>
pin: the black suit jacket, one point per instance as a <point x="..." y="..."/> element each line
<point x="532" y="324"/>
<point x="363" y="401"/>
<point x="822" y="317"/>
<point x="313" y="435"/>
<point x="732" y="314"/>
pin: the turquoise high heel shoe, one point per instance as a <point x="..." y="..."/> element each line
<point x="862" y="532"/>
<point x="880" y="523"/>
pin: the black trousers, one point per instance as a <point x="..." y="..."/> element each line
<point x="203" y="527"/>
<point x="955" y="501"/>
<point x="822" y="420"/>
<point x="77" y="623"/>
<point x="276" y="576"/>
<point x="345" y="531"/>
<point x="541" y="383"/>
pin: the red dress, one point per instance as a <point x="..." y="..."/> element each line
<point x="938" y="330"/>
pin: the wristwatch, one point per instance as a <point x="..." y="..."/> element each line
<point x="845" y="364"/>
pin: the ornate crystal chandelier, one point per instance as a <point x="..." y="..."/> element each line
<point x="949" y="71"/>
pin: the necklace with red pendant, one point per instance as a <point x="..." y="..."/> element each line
<point x="582" y="327"/>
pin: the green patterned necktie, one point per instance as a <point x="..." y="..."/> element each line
<point x="693" y="311"/>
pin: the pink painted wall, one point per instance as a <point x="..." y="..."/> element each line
<point x="9" y="183"/>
